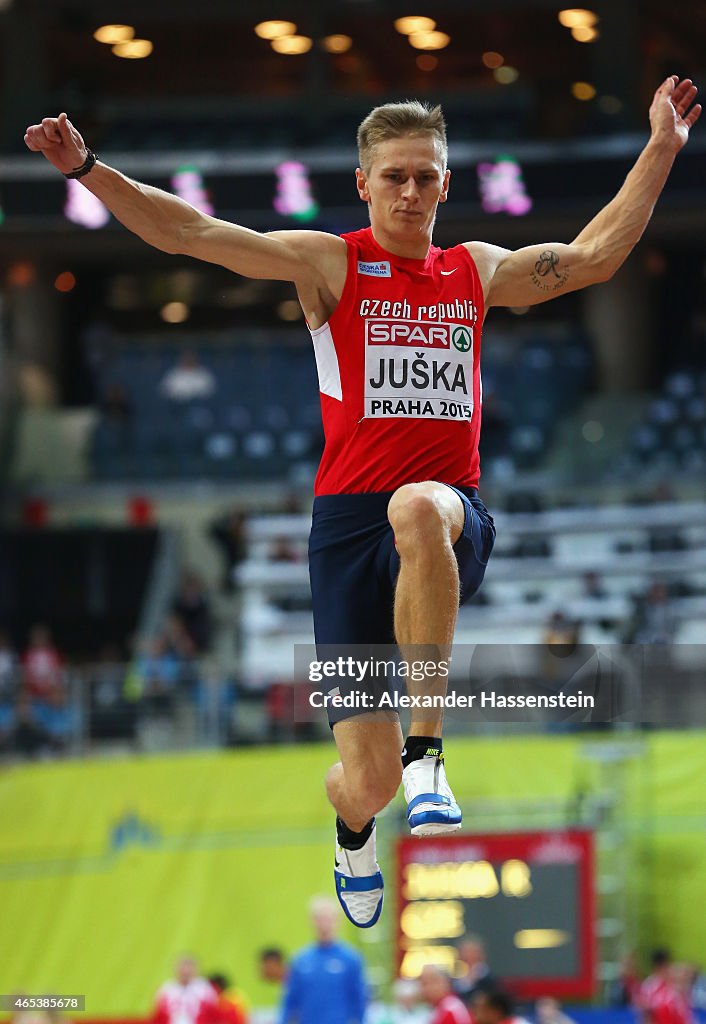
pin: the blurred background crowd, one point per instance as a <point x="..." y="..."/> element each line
<point x="325" y="983"/>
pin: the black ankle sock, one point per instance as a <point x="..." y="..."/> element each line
<point x="417" y="747"/>
<point x="351" y="840"/>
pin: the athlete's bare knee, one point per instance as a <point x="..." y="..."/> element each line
<point x="334" y="779"/>
<point x="415" y="514"/>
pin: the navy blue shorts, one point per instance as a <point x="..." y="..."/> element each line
<point x="353" y="565"/>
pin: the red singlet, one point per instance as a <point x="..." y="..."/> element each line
<point x="399" y="371"/>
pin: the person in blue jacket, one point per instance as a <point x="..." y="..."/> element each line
<point x="326" y="983"/>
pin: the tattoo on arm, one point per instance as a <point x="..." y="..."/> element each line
<point x="547" y="275"/>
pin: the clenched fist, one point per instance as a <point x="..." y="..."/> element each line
<point x="59" y="141"/>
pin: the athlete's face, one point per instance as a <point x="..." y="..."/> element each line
<point x="404" y="184"/>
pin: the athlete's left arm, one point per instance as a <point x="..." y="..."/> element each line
<point x="540" y="272"/>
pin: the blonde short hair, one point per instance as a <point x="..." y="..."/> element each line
<point x="323" y="905"/>
<point x="394" y="121"/>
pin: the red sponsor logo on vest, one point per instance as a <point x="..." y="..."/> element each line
<point x="407" y="334"/>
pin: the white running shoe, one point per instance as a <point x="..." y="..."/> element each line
<point x="431" y="806"/>
<point x="359" y="884"/>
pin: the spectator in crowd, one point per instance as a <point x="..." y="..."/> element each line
<point x="42" y="665"/>
<point x="29" y="737"/>
<point x="157" y="670"/>
<point x="37" y="1017"/>
<point x="437" y="992"/>
<point x="561" y="631"/>
<point x="293" y="505"/>
<point x="191" y="606"/>
<point x="548" y="1011"/>
<point x="116" y="407"/>
<point x="9" y="680"/>
<point x="100" y="344"/>
<point x="8" y="721"/>
<point x="326" y="983"/>
<point x="592" y="587"/>
<point x="653" y="619"/>
<point x="666" y="538"/>
<point x="698" y="990"/>
<point x="684" y="978"/>
<point x="662" y="492"/>
<point x="306" y="727"/>
<point x="560" y="639"/>
<point x="9" y="670"/>
<point x="188" y="380"/>
<point x="228" y="532"/>
<point x="177" y="639"/>
<point x="230" y="1006"/>
<point x="182" y="999"/>
<point x="279" y="708"/>
<point x="282" y="550"/>
<point x="406" y="1006"/>
<point x="274" y="970"/>
<point x="626" y="989"/>
<point x="111" y="714"/>
<point x="189" y="678"/>
<point x="594" y="593"/>
<point x="474" y="973"/>
<point x="273" y="965"/>
<point x="55" y="717"/>
<point x="494" y="1007"/>
<point x="660" y="998"/>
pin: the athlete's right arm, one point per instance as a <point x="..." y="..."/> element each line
<point x="170" y="224"/>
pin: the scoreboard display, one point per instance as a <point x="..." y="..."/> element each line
<point x="528" y="895"/>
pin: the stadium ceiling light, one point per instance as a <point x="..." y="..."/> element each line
<point x="585" y="34"/>
<point x="275" y="29"/>
<point x="610" y="104"/>
<point x="506" y="75"/>
<point x="492" y="59"/>
<point x="426" y="62"/>
<point x="20" y="275"/>
<point x="577" y="17"/>
<point x="583" y="91"/>
<point x="134" y="49"/>
<point x="406" y="26"/>
<point x="112" y="34"/>
<point x="65" y="281"/>
<point x="174" y="312"/>
<point x="292" y="44"/>
<point x="429" y="40"/>
<point x="337" y="43"/>
<point x="348" y="63"/>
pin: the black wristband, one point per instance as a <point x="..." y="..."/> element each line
<point x="87" y="165"/>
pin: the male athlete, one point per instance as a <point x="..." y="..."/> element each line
<point x="399" y="535"/>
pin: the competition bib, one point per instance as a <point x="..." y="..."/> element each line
<point x="415" y="368"/>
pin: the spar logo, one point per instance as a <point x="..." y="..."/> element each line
<point x="462" y="339"/>
<point x="411" y="333"/>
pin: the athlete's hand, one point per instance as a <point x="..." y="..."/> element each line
<point x="670" y="116"/>
<point x="59" y="141"/>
